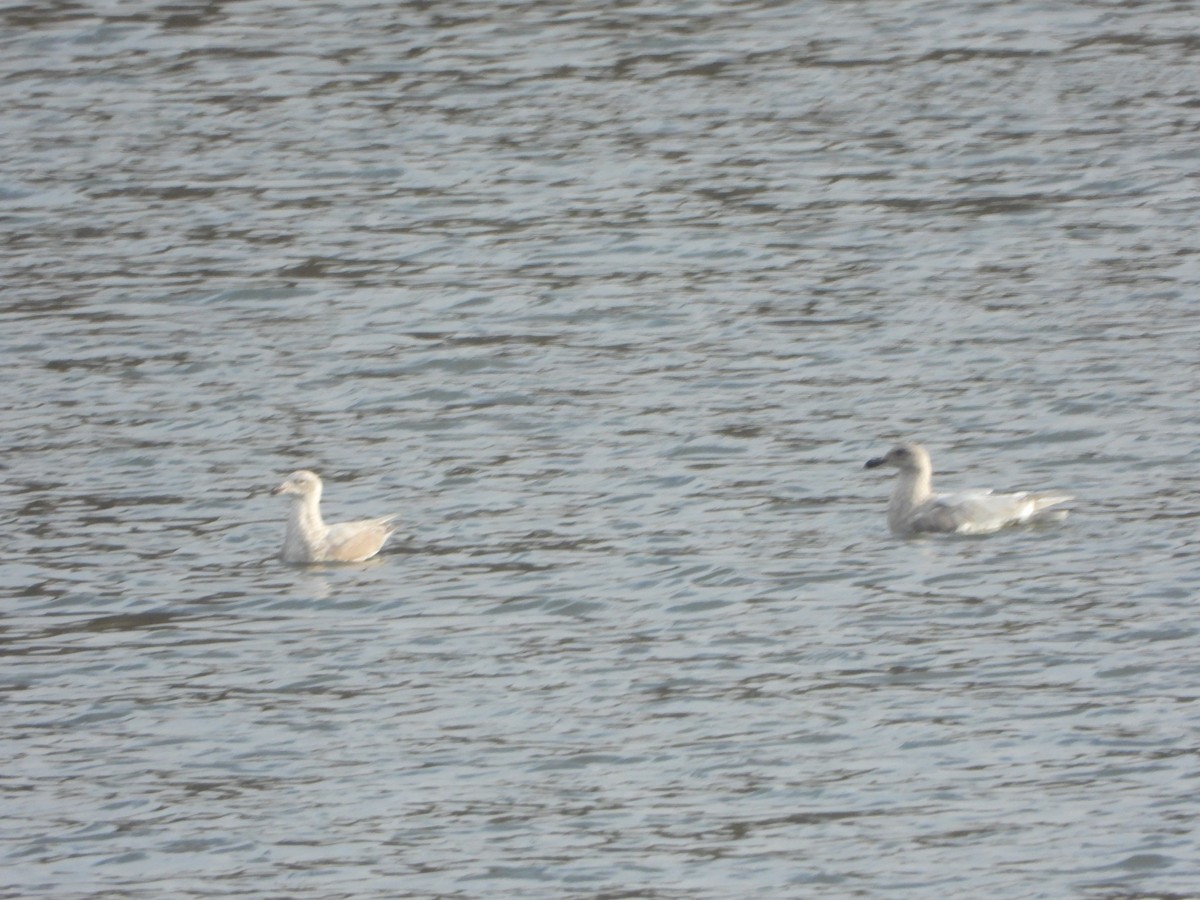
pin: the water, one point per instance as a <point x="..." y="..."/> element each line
<point x="611" y="302"/>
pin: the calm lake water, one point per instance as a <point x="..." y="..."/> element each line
<point x="611" y="301"/>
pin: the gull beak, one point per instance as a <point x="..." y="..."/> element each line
<point x="874" y="463"/>
<point x="277" y="491"/>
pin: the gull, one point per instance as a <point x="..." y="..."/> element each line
<point x="310" y="540"/>
<point x="915" y="508"/>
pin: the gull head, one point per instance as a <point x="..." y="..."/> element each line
<point x="300" y="484"/>
<point x="905" y="457"/>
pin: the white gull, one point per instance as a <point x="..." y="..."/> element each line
<point x="310" y="540"/>
<point x="915" y="508"/>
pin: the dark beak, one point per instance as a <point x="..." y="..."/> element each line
<point x="874" y="463"/>
<point x="277" y="490"/>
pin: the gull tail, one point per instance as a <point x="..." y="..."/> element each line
<point x="1046" y="507"/>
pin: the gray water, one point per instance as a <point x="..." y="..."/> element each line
<point x="611" y="301"/>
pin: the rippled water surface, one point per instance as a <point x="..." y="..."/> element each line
<point x="611" y="301"/>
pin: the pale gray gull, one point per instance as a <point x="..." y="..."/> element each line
<point x="915" y="508"/>
<point x="310" y="540"/>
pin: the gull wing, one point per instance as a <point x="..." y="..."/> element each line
<point x="981" y="511"/>
<point x="356" y="541"/>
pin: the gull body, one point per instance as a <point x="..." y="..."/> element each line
<point x="914" y="507"/>
<point x="310" y="540"/>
